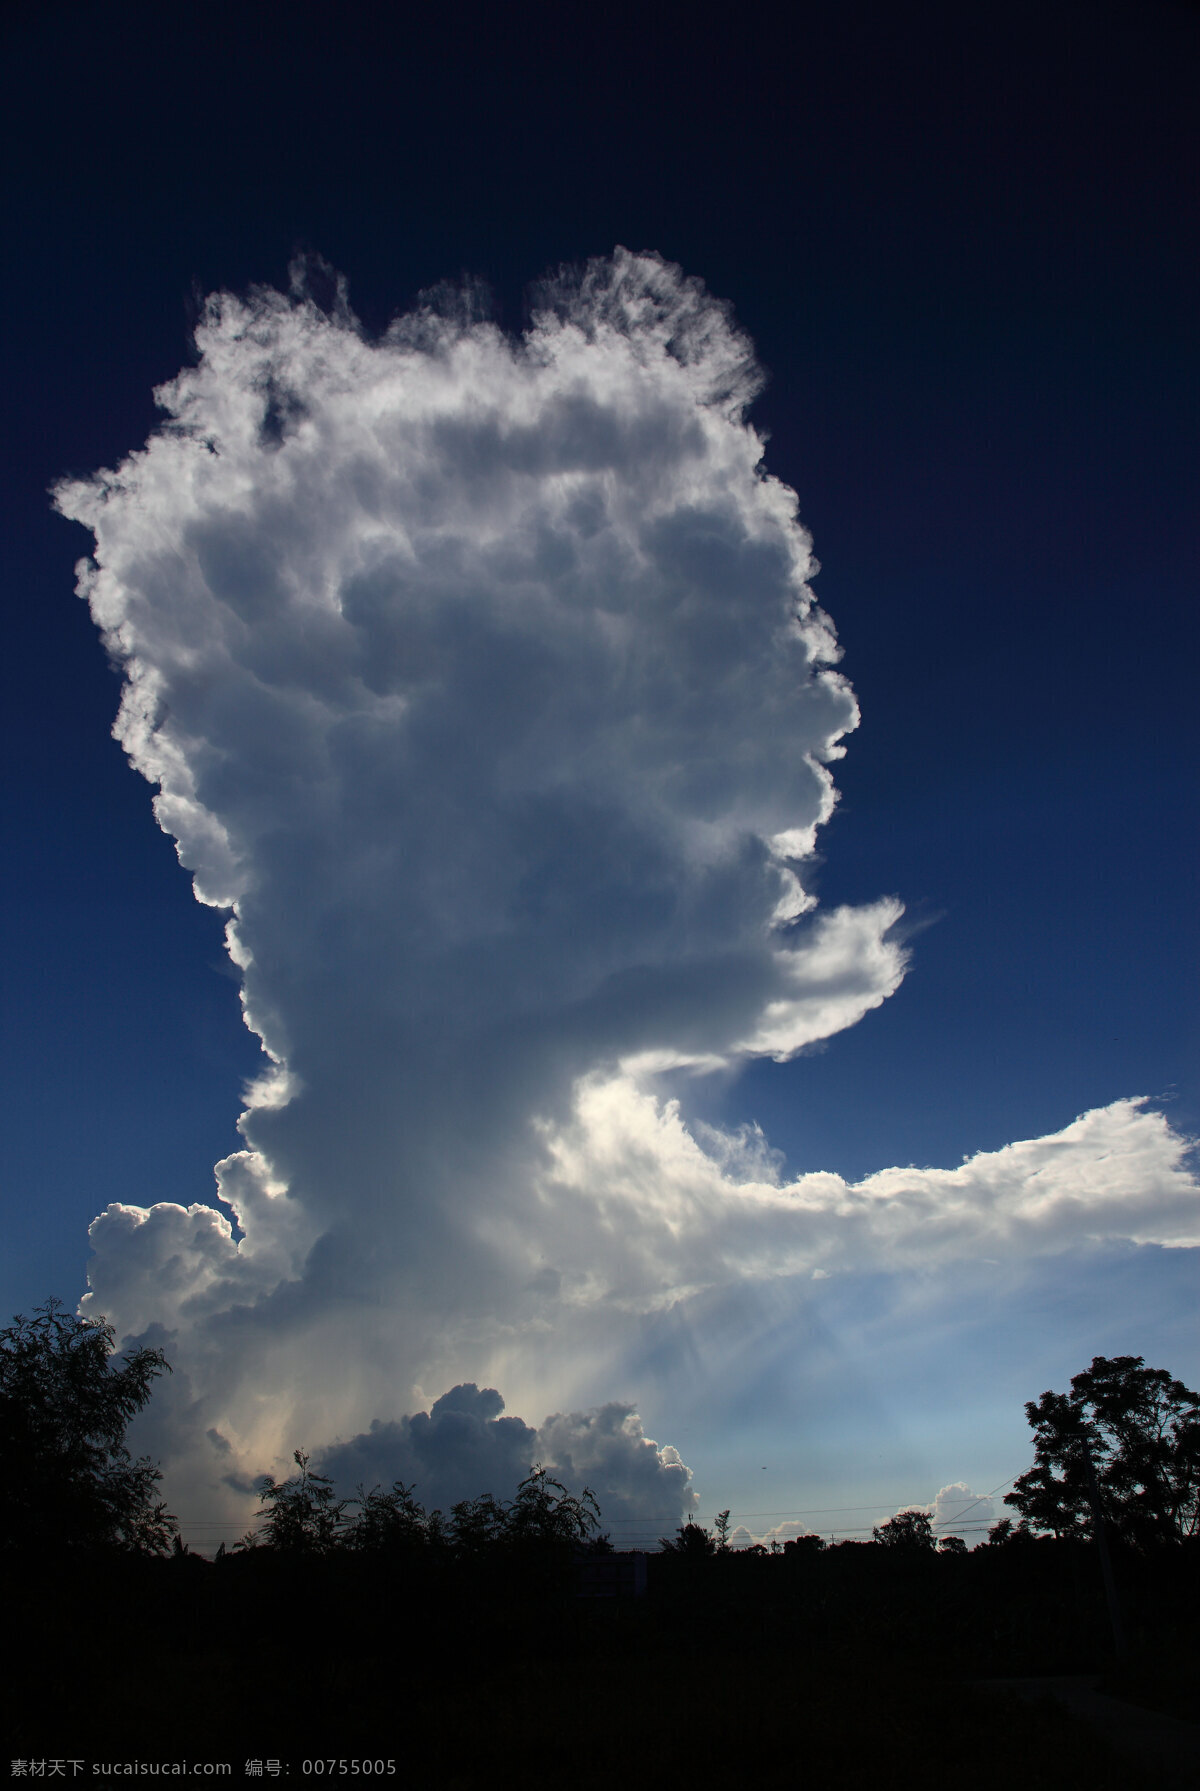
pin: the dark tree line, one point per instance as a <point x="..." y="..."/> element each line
<point x="303" y="1516"/>
<point x="1120" y="1451"/>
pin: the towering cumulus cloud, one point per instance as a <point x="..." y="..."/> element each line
<point x="481" y="681"/>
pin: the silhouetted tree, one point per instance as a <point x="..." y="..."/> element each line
<point x="951" y="1545"/>
<point x="300" y="1516"/>
<point x="804" y="1547"/>
<point x="304" y="1516"/>
<point x="1126" y="1437"/>
<point x="912" y="1529"/>
<point x="721" y="1526"/>
<point x="66" y="1477"/>
<point x="477" y="1525"/>
<point x="692" y="1540"/>
<point x="388" y="1522"/>
<point x="544" y="1512"/>
<point x="1006" y="1532"/>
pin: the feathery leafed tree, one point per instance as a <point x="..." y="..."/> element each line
<point x="390" y="1521"/>
<point x="301" y="1515"/>
<point x="66" y="1478"/>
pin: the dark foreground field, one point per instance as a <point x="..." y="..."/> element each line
<point x="736" y="1722"/>
<point x="833" y="1675"/>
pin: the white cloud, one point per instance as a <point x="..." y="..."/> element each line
<point x="482" y="680"/>
<point x="775" y="1537"/>
<point x="673" y="1217"/>
<point x="958" y="1510"/>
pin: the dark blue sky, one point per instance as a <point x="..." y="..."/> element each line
<point x="964" y="243"/>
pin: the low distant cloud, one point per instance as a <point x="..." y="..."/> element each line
<point x="958" y="1510"/>
<point x="640" y="1487"/>
<point x="788" y="1531"/>
<point x="481" y="680"/>
<point x="463" y="1446"/>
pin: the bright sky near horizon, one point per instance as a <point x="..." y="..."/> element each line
<point x="711" y="995"/>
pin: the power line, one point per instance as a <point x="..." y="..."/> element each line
<point x="654" y="1519"/>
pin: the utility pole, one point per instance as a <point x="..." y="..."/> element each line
<point x="1110" y="1584"/>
